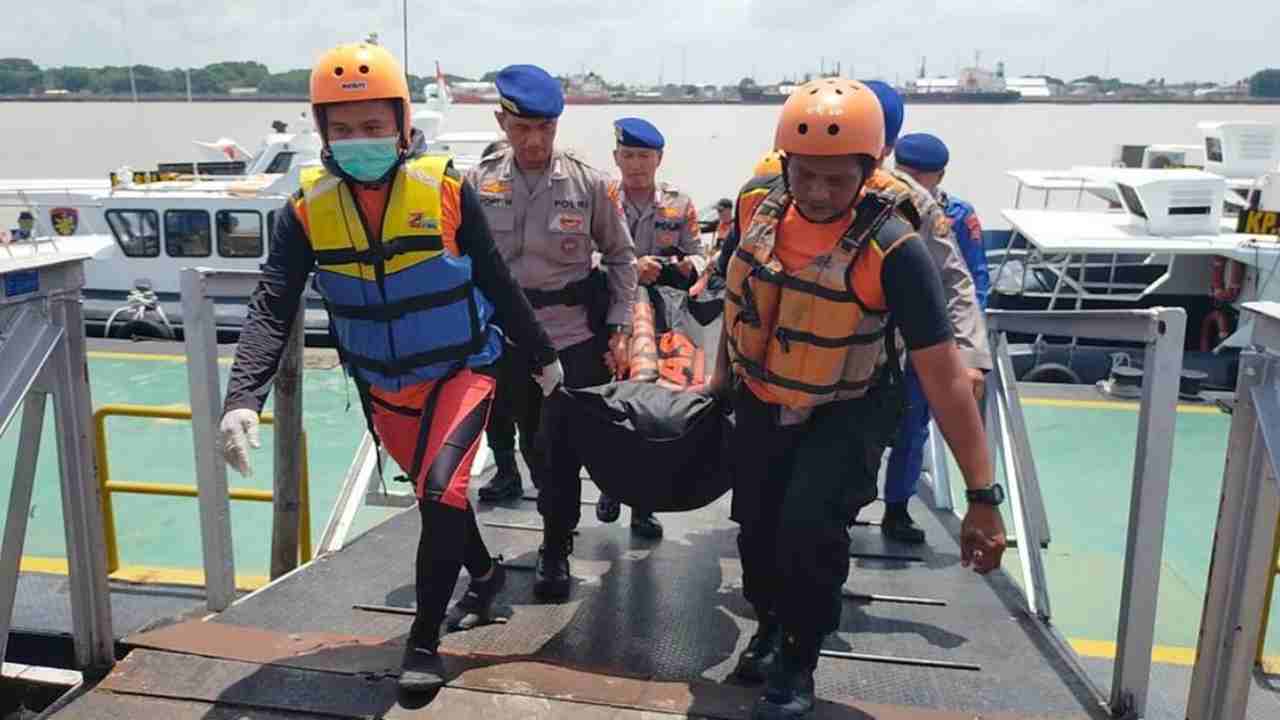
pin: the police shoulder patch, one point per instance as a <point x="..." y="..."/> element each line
<point x="941" y="225"/>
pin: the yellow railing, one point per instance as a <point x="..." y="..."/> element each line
<point x="1266" y="603"/>
<point x="174" y="490"/>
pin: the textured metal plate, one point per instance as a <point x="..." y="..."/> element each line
<point x="158" y="684"/>
<point x="101" y="705"/>
<point x="672" y="612"/>
<point x="271" y="687"/>
<point x="306" y="651"/>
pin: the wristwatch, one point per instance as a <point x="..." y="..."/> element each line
<point x="992" y="496"/>
<point x="615" y="328"/>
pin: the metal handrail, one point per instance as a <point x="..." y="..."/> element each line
<point x="42" y="357"/>
<point x="1162" y="331"/>
<point x="1267" y="598"/>
<point x="199" y="286"/>
<point x="1243" y="565"/>
<point x="109" y="486"/>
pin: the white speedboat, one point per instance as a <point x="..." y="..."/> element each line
<point x="1176" y="226"/>
<point x="141" y="227"/>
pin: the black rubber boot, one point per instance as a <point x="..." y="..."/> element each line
<point x="422" y="670"/>
<point x="551" y="576"/>
<point x="789" y="693"/>
<point x="645" y="525"/>
<point x="476" y="606"/>
<point x="505" y="483"/>
<point x="761" y="654"/>
<point x="607" y="509"/>
<point x="898" y="525"/>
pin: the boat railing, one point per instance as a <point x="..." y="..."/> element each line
<point x="108" y="485"/>
<point x="42" y="355"/>
<point x="1161" y="330"/>
<point x="1070" y="272"/>
<point x="1242" y="567"/>
<point x="46" y="238"/>
<point x="199" y="287"/>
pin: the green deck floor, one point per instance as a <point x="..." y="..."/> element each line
<point x="1084" y="460"/>
<point x="164" y="532"/>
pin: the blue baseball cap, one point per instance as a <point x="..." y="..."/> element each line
<point x="922" y="151"/>
<point x="638" y="133"/>
<point x="529" y="91"/>
<point x="891" y="104"/>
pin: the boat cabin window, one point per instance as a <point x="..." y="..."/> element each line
<point x="137" y="232"/>
<point x="187" y="234"/>
<point x="281" y="163"/>
<point x="239" y="233"/>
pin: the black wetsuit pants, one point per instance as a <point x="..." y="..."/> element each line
<point x="794" y="487"/>
<point x="517" y="403"/>
<point x="450" y="540"/>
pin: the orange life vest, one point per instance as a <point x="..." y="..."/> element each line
<point x="814" y="335"/>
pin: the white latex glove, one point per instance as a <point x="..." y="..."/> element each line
<point x="549" y="377"/>
<point x="239" y="431"/>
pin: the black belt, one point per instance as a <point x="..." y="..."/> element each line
<point x="568" y="295"/>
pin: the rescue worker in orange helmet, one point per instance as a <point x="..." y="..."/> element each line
<point x="825" y="277"/>
<point x="770" y="164"/>
<point x="412" y="282"/>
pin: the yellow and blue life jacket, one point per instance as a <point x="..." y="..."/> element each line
<point x="403" y="308"/>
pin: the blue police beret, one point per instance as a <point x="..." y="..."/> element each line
<point x="637" y="133"/>
<point x="922" y="151"/>
<point x="529" y="91"/>
<point x="891" y="104"/>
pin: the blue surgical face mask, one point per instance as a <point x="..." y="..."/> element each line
<point x="366" y="159"/>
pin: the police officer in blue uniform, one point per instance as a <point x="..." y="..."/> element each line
<point x="550" y="213"/>
<point x="924" y="157"/>
<point x="664" y="228"/>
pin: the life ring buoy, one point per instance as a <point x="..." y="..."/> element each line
<point x="141" y="328"/>
<point x="1226" y="280"/>
<point x="1215" y="328"/>
<point x="1052" y="373"/>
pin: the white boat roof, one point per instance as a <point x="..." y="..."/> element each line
<point x="199" y="189"/>
<point x="1089" y="178"/>
<point x="47" y="185"/>
<point x="1057" y="231"/>
<point x="1055" y="180"/>
<point x="16" y="263"/>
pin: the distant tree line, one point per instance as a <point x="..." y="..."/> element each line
<point x="20" y="76"/>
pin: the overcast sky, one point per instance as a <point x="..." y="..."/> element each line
<point x="717" y="41"/>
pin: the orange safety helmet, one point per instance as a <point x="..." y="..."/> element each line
<point x="354" y="72"/>
<point x="770" y="164"/>
<point x="831" y="116"/>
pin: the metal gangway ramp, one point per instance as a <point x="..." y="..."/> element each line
<point x="42" y="356"/>
<point x="652" y="629"/>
